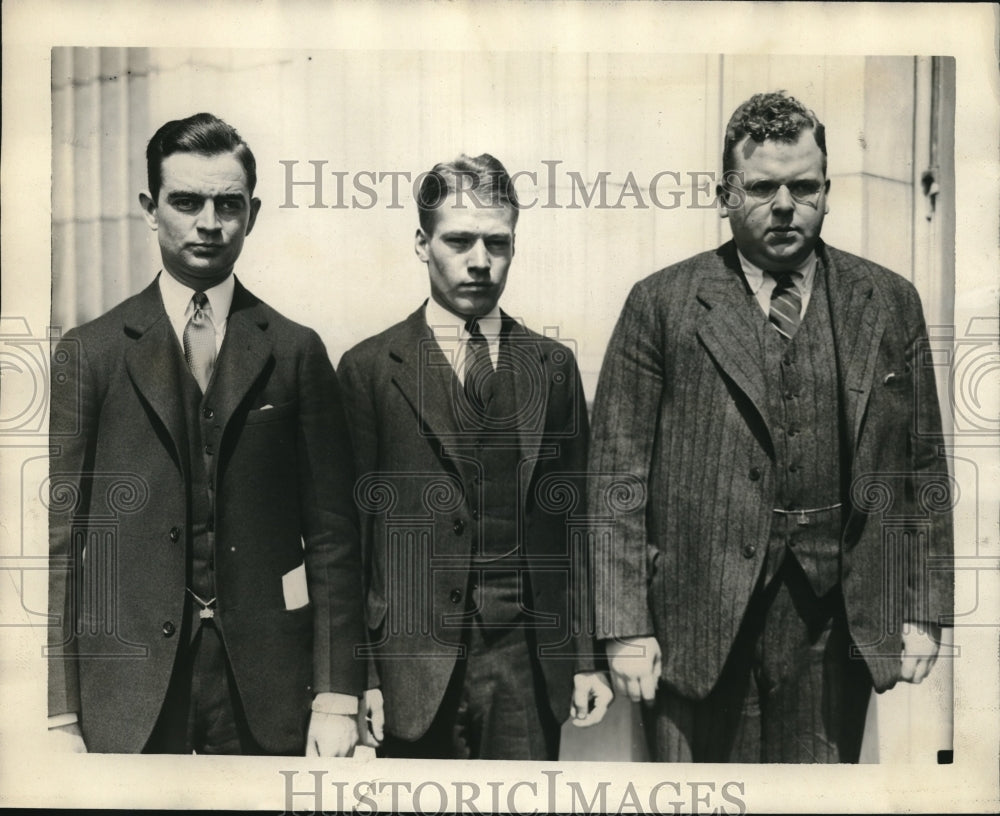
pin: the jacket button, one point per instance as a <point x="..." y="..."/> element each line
<point x="754" y="474"/>
<point x="175" y="534"/>
<point x="208" y="413"/>
<point x="749" y="550"/>
<point x="458" y="527"/>
<point x="455" y="596"/>
<point x="208" y="449"/>
<point x="168" y="629"/>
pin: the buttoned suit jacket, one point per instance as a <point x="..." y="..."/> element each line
<point x="120" y="521"/>
<point x="417" y="464"/>
<point x="683" y="461"/>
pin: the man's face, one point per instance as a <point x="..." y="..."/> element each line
<point x="468" y="255"/>
<point x="779" y="233"/>
<point x="203" y="213"/>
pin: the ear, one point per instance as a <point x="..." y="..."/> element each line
<point x="148" y="209"/>
<point x="720" y="196"/>
<point x="826" y="199"/>
<point x="420" y="242"/>
<point x="254" y="209"/>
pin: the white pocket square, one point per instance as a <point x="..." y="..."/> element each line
<point x="295" y="588"/>
<point x="265" y="407"/>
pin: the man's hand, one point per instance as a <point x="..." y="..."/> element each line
<point x="68" y="739"/>
<point x="920" y="650"/>
<point x="331" y="734"/>
<point x="372" y="726"/>
<point x="635" y="667"/>
<point x="592" y="695"/>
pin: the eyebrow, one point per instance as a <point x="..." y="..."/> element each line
<point x="465" y="234"/>
<point x="175" y="194"/>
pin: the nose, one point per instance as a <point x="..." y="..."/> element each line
<point x="207" y="217"/>
<point x="478" y="257"/>
<point x="783" y="199"/>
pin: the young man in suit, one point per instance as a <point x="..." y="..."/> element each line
<point x="763" y="398"/>
<point x="470" y="439"/>
<point x="220" y="613"/>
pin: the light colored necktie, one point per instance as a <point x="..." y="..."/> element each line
<point x="199" y="340"/>
<point x="786" y="304"/>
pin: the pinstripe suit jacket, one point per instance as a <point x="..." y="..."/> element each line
<point x="680" y="423"/>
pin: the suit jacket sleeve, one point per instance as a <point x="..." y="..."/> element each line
<point x="329" y="519"/>
<point x="574" y="461"/>
<point x="73" y="416"/>
<point x="626" y="410"/>
<point x="929" y="588"/>
<point x="364" y="437"/>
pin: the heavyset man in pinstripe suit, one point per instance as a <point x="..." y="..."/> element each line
<point x="768" y="412"/>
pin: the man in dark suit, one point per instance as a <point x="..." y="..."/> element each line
<point x="470" y="439"/>
<point x="767" y="423"/>
<point x="205" y="561"/>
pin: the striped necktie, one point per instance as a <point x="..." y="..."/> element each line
<point x="199" y="340"/>
<point x="786" y="304"/>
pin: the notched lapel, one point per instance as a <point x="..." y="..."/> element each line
<point x="152" y="364"/>
<point x="858" y="325"/>
<point x="532" y="380"/>
<point x="246" y="351"/>
<point x="423" y="374"/>
<point x="728" y="333"/>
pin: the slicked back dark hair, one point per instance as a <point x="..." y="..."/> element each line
<point x="202" y="133"/>
<point x="776" y="116"/>
<point x="482" y="180"/>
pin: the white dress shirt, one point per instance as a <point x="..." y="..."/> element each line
<point x="179" y="307"/>
<point x="453" y="339"/>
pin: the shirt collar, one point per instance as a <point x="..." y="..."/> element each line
<point x="446" y="325"/>
<point x="755" y="275"/>
<point x="177" y="299"/>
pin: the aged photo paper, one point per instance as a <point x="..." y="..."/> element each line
<point x="611" y="114"/>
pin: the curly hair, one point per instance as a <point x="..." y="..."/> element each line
<point x="774" y="116"/>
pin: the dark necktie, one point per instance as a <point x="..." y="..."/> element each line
<point x="478" y="368"/>
<point x="199" y="340"/>
<point x="786" y="304"/>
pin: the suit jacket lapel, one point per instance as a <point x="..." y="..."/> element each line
<point x="727" y="329"/>
<point x="152" y="364"/>
<point x="531" y="380"/>
<point x="245" y="352"/>
<point x="857" y="320"/>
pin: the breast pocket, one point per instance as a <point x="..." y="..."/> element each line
<point x="272" y="413"/>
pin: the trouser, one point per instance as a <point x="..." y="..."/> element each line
<point x="202" y="712"/>
<point x="789" y="691"/>
<point x="495" y="706"/>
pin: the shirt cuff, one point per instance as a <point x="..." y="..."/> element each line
<point x="58" y="720"/>
<point x="333" y="702"/>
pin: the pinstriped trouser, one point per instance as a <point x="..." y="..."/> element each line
<point x="789" y="691"/>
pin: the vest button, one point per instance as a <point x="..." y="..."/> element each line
<point x="175" y="534"/>
<point x="208" y="413"/>
<point x="458" y="527"/>
<point x="749" y="550"/>
<point x="754" y="474"/>
<point x="168" y="629"/>
<point x="455" y="596"/>
<point x="475" y="515"/>
<point x="208" y="449"/>
<point x="210" y="525"/>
